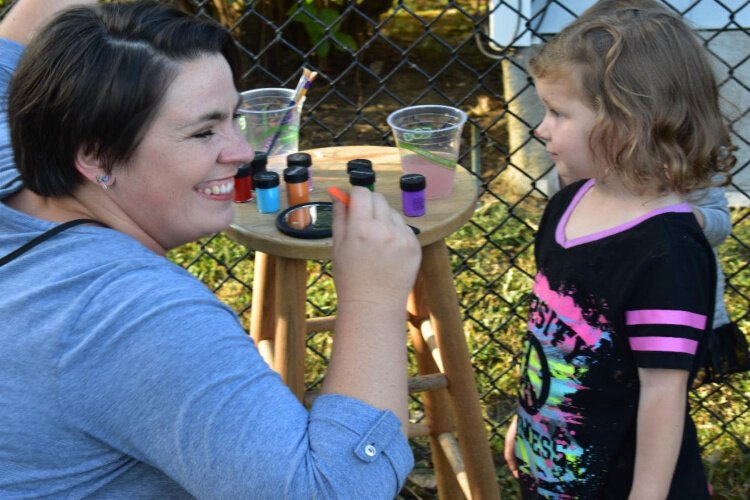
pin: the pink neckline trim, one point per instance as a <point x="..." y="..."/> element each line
<point x="565" y="243"/>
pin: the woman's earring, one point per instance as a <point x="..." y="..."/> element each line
<point x="103" y="180"/>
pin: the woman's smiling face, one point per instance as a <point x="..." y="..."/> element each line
<point x="178" y="185"/>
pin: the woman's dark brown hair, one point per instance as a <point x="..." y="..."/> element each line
<point x="93" y="80"/>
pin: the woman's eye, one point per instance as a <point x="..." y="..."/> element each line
<point x="204" y="135"/>
<point x="237" y="115"/>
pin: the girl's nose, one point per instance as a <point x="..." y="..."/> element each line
<point x="540" y="132"/>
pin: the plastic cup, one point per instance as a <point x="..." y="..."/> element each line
<point x="429" y="139"/>
<point x="265" y="113"/>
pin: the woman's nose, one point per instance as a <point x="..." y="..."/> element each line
<point x="238" y="151"/>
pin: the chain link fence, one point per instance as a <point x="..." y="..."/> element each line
<point x="377" y="56"/>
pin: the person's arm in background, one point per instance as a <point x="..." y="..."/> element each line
<point x="712" y="212"/>
<point x="26" y="17"/>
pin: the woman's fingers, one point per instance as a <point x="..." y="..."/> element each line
<point x="360" y="206"/>
<point x="376" y="256"/>
<point x="338" y="226"/>
<point x="381" y="211"/>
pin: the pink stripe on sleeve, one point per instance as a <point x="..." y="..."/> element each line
<point x="665" y="344"/>
<point x="665" y="317"/>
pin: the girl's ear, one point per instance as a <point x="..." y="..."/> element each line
<point x="90" y="166"/>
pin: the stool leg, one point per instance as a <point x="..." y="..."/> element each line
<point x="442" y="302"/>
<point x="437" y="406"/>
<point x="291" y="294"/>
<point x="263" y="307"/>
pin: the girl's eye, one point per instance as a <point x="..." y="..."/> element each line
<point x="554" y="113"/>
<point x="236" y="115"/>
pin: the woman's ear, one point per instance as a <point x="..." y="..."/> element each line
<point x="90" y="166"/>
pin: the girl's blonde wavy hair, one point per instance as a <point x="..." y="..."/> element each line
<point x="647" y="77"/>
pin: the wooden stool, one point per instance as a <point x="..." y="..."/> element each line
<point x="461" y="453"/>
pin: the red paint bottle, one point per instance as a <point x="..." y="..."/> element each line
<point x="243" y="184"/>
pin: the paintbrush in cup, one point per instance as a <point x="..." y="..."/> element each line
<point x="299" y="95"/>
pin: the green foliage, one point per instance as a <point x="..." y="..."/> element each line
<point x="322" y="25"/>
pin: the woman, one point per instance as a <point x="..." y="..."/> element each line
<point x="121" y="375"/>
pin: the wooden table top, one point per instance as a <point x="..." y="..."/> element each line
<point x="444" y="216"/>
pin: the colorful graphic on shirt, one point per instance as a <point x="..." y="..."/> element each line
<point x="562" y="339"/>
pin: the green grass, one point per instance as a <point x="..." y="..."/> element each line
<point x="492" y="258"/>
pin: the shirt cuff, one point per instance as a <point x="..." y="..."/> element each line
<point x="372" y="435"/>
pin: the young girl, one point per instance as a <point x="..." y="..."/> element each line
<point x="625" y="286"/>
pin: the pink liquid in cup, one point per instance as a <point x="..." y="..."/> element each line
<point x="428" y="138"/>
<point x="439" y="178"/>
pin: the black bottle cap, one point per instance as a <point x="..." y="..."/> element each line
<point x="259" y="162"/>
<point x="358" y="164"/>
<point x="295" y="174"/>
<point x="244" y="171"/>
<point x="412" y="182"/>
<point x="362" y="178"/>
<point x="265" y="180"/>
<point x="298" y="159"/>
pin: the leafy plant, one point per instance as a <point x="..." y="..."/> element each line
<point x="322" y="25"/>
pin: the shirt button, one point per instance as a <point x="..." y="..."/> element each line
<point x="370" y="450"/>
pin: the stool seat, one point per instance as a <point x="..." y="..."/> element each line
<point x="445" y="216"/>
<point x="458" y="439"/>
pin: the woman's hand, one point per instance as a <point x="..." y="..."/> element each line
<point x="510" y="447"/>
<point x="375" y="262"/>
<point x="375" y="253"/>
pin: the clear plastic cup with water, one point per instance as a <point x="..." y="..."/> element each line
<point x="269" y="119"/>
<point x="429" y="139"/>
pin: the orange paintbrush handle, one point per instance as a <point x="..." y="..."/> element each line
<point x="339" y="194"/>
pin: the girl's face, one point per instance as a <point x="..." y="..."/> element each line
<point x="566" y="129"/>
<point x="178" y="185"/>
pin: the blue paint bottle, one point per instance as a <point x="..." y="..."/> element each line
<point x="267" y="191"/>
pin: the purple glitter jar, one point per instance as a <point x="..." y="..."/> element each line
<point x="412" y="194"/>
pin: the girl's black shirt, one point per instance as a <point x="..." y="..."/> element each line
<point x="640" y="295"/>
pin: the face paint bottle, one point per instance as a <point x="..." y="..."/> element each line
<point x="296" y="185"/>
<point x="364" y="178"/>
<point x="295" y="179"/>
<point x="243" y="184"/>
<point x="358" y="164"/>
<point x="412" y="194"/>
<point x="302" y="160"/>
<point x="267" y="191"/>
<point x="259" y="163"/>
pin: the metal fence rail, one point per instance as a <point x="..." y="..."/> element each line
<point x="439" y="52"/>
